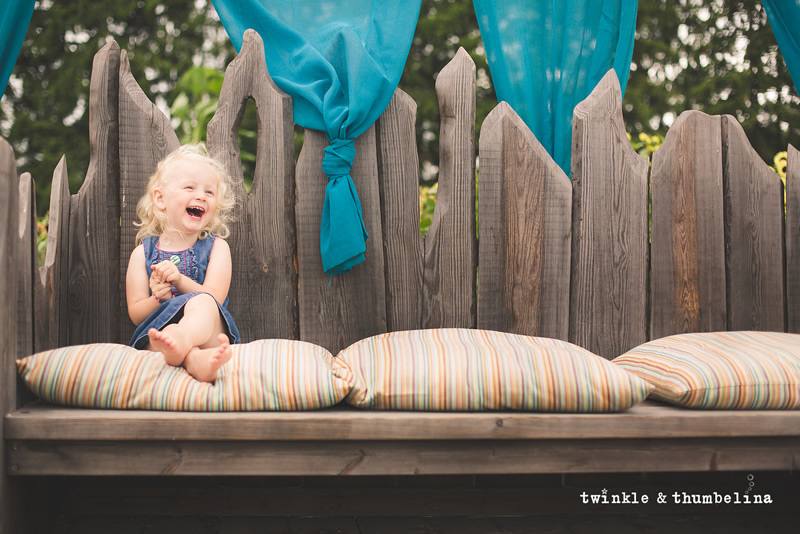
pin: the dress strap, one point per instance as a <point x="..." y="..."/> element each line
<point x="203" y="246"/>
<point x="150" y="252"/>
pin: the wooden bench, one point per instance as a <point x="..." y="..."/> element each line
<point x="571" y="259"/>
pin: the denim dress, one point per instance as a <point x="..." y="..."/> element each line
<point x="192" y="262"/>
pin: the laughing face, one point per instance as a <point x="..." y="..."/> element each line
<point x="189" y="197"/>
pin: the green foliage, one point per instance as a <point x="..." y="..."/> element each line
<point x="646" y="144"/>
<point x="781" y="160"/>
<point x="716" y="56"/>
<point x="41" y="237"/>
<point x="427" y="203"/>
<point x="196" y="103"/>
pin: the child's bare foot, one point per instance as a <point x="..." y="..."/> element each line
<point x="170" y="343"/>
<point x="204" y="364"/>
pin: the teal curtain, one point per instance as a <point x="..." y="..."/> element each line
<point x="15" y="15"/>
<point x="784" y="18"/>
<point x="546" y="56"/>
<point x="341" y="61"/>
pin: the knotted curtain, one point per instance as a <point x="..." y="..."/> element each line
<point x="341" y="61"/>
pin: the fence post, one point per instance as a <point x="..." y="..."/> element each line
<point x="793" y="240"/>
<point x="27" y="265"/>
<point x="525" y="210"/>
<point x="688" y="246"/>
<point x="263" y="292"/>
<point x="51" y="289"/>
<point x="753" y="235"/>
<point x="94" y="282"/>
<point x="145" y="137"/>
<point x="398" y="173"/>
<point x="9" y="265"/>
<point x="609" y="230"/>
<point x="451" y="252"/>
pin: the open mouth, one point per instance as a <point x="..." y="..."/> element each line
<point x="195" y="212"/>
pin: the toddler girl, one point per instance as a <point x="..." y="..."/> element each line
<point x="180" y="271"/>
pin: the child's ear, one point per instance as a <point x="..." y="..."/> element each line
<point x="158" y="199"/>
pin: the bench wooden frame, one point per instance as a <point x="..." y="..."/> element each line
<point x="558" y="258"/>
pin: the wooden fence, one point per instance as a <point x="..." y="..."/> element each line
<point x="571" y="259"/>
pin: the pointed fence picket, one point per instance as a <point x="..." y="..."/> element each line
<point x="571" y="259"/>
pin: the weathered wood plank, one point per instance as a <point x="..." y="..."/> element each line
<point x="27" y="277"/>
<point x="9" y="261"/>
<point x="609" y="228"/>
<point x="27" y="264"/>
<point x="52" y="288"/>
<point x="687" y="235"/>
<point x="793" y="240"/>
<point x="336" y="311"/>
<point x="398" y="172"/>
<point x="450" y="245"/>
<point x="525" y="209"/>
<point x="93" y="283"/>
<point x="645" y="421"/>
<point x="338" y="458"/>
<point x="753" y="235"/>
<point x="145" y="138"/>
<point x="263" y="293"/>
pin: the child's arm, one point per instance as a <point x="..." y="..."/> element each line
<point x="218" y="273"/>
<point x="138" y="286"/>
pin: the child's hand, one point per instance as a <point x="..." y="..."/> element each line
<point x="160" y="289"/>
<point x="167" y="271"/>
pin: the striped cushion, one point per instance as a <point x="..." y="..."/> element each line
<point x="462" y="369"/>
<point x="262" y="375"/>
<point x="725" y="370"/>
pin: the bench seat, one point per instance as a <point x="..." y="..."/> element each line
<point x="51" y="440"/>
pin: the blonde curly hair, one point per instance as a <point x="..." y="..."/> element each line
<point x="153" y="221"/>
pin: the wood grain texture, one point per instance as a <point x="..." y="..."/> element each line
<point x="609" y="228"/>
<point x="93" y="310"/>
<point x="263" y="293"/>
<point x="793" y="240"/>
<point x="145" y="137"/>
<point x="93" y="284"/>
<point x="40" y="422"/>
<point x="337" y="458"/>
<point x="27" y="264"/>
<point x="525" y="203"/>
<point x="753" y="235"/>
<point x="9" y="268"/>
<point x="687" y="235"/>
<point x="398" y="172"/>
<point x="451" y="252"/>
<point x="52" y="289"/>
<point x="336" y="311"/>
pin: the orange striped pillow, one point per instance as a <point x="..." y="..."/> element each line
<point x="723" y="370"/>
<point x="269" y="374"/>
<point x="466" y="369"/>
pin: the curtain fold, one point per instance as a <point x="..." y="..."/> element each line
<point x="15" y="15"/>
<point x="546" y="56"/>
<point x="784" y="18"/>
<point x="341" y="61"/>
